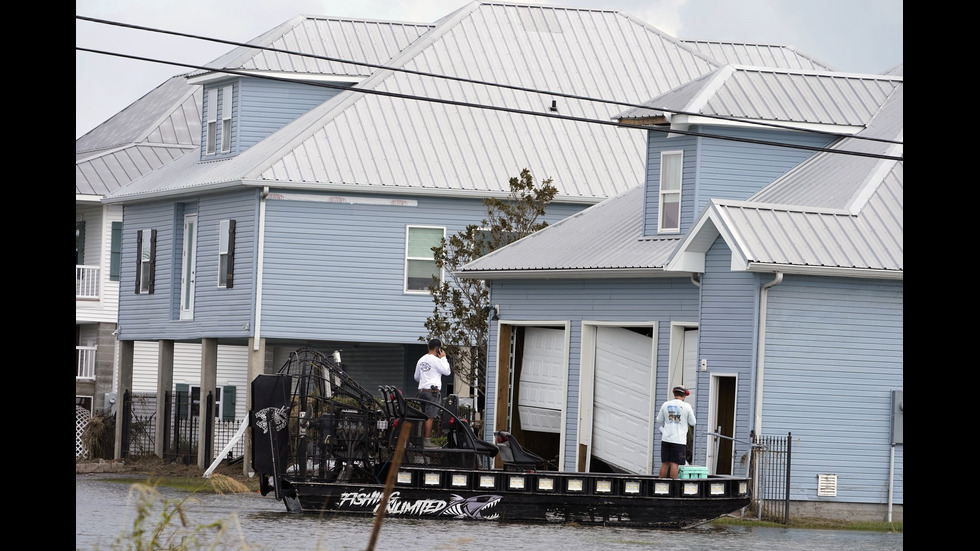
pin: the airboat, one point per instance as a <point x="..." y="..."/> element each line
<point x="321" y="443"/>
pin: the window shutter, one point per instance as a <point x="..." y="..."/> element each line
<point x="227" y="403"/>
<point x="183" y="400"/>
<point x="230" y="277"/>
<point x="115" y="251"/>
<point x="153" y="260"/>
<point x="139" y="259"/>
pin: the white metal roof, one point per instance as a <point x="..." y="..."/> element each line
<point x="833" y="214"/>
<point x="318" y="42"/>
<point x="763" y="55"/>
<point x="767" y="94"/>
<point x="393" y="144"/>
<point x="152" y="131"/>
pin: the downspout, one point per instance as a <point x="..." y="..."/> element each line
<point x="761" y="351"/>
<point x="258" y="268"/>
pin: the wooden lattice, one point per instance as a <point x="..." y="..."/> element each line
<point x="82" y="417"/>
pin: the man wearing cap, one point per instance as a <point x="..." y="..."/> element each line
<point x="428" y="372"/>
<point x="674" y="418"/>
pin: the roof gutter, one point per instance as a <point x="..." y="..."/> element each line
<point x="760" y="362"/>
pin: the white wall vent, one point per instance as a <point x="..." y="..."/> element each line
<point x="827" y="485"/>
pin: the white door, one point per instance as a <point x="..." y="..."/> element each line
<point x="541" y="387"/>
<point x="622" y="426"/>
<point x="188" y="265"/>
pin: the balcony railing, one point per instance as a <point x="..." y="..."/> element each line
<point x="86" y="282"/>
<point x="85" y="362"/>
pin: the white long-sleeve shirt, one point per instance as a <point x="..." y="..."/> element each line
<point x="429" y="371"/>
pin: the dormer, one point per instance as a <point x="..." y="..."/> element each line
<point x="732" y="132"/>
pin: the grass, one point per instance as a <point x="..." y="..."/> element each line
<point x="163" y="523"/>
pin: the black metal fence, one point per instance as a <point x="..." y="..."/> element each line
<point x="180" y="435"/>
<point x="772" y="458"/>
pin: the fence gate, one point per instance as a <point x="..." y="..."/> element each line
<point x="772" y="476"/>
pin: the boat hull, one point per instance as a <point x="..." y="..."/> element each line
<point x="533" y="497"/>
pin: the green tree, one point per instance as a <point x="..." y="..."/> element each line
<point x="462" y="305"/>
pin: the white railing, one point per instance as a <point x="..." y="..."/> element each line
<point x="86" y="282"/>
<point x="85" y="362"/>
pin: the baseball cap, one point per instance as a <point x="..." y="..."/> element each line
<point x="681" y="390"/>
<point x="434" y="343"/>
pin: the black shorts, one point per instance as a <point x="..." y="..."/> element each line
<point x="673" y="453"/>
<point x="431" y="398"/>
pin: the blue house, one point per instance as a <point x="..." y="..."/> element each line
<point x="760" y="265"/>
<point x="334" y="153"/>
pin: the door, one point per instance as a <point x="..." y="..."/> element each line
<point x="622" y="425"/>
<point x="721" y="454"/>
<point x="541" y="384"/>
<point x="188" y="267"/>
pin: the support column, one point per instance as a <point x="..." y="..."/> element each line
<point x="209" y="380"/>
<point x="125" y="385"/>
<point x="165" y="383"/>
<point x="257" y="365"/>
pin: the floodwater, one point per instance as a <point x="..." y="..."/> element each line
<point x="104" y="509"/>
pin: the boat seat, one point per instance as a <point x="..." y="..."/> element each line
<point x="461" y="436"/>
<point x="513" y="455"/>
<point x="397" y="406"/>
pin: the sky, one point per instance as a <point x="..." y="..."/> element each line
<point x="859" y="36"/>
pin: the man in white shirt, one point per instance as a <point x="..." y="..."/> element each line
<point x="428" y="372"/>
<point x="674" y="418"/>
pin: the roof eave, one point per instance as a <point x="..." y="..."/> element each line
<point x="827" y="271"/>
<point x="570" y="273"/>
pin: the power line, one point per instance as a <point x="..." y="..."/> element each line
<point x="484" y="83"/>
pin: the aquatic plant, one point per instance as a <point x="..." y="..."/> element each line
<point x="164" y="524"/>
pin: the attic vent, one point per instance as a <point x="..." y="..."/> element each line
<point x="827" y="485"/>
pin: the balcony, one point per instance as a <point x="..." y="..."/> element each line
<point x="86" y="282"/>
<point x="85" y="363"/>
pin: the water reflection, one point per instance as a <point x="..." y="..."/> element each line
<point x="104" y="509"/>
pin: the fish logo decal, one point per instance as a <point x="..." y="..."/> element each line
<point x="477" y="507"/>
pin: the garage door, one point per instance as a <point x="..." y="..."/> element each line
<point x="541" y="386"/>
<point x="621" y="418"/>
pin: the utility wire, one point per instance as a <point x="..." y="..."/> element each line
<point x="472" y="81"/>
<point x="484" y="83"/>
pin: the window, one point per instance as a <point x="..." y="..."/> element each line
<point x="188" y="402"/>
<point x="146" y="252"/>
<point x="226" y="105"/>
<point x="226" y="254"/>
<point x="212" y="122"/>
<point x="79" y="243"/>
<point x="670" y="190"/>
<point x="420" y="264"/>
<point x="115" y="251"/>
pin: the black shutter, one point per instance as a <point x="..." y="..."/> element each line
<point x="153" y="261"/>
<point x="115" y="251"/>
<point x="230" y="276"/>
<point x="139" y="259"/>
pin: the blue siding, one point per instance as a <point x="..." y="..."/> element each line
<point x="265" y="106"/>
<point x="726" y="339"/>
<point x="626" y="300"/>
<point x="336" y="270"/>
<point x="218" y="312"/>
<point x="834" y="353"/>
<point x="140" y="314"/>
<point x="721" y="169"/>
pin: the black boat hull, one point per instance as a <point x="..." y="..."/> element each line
<point x="544" y="497"/>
